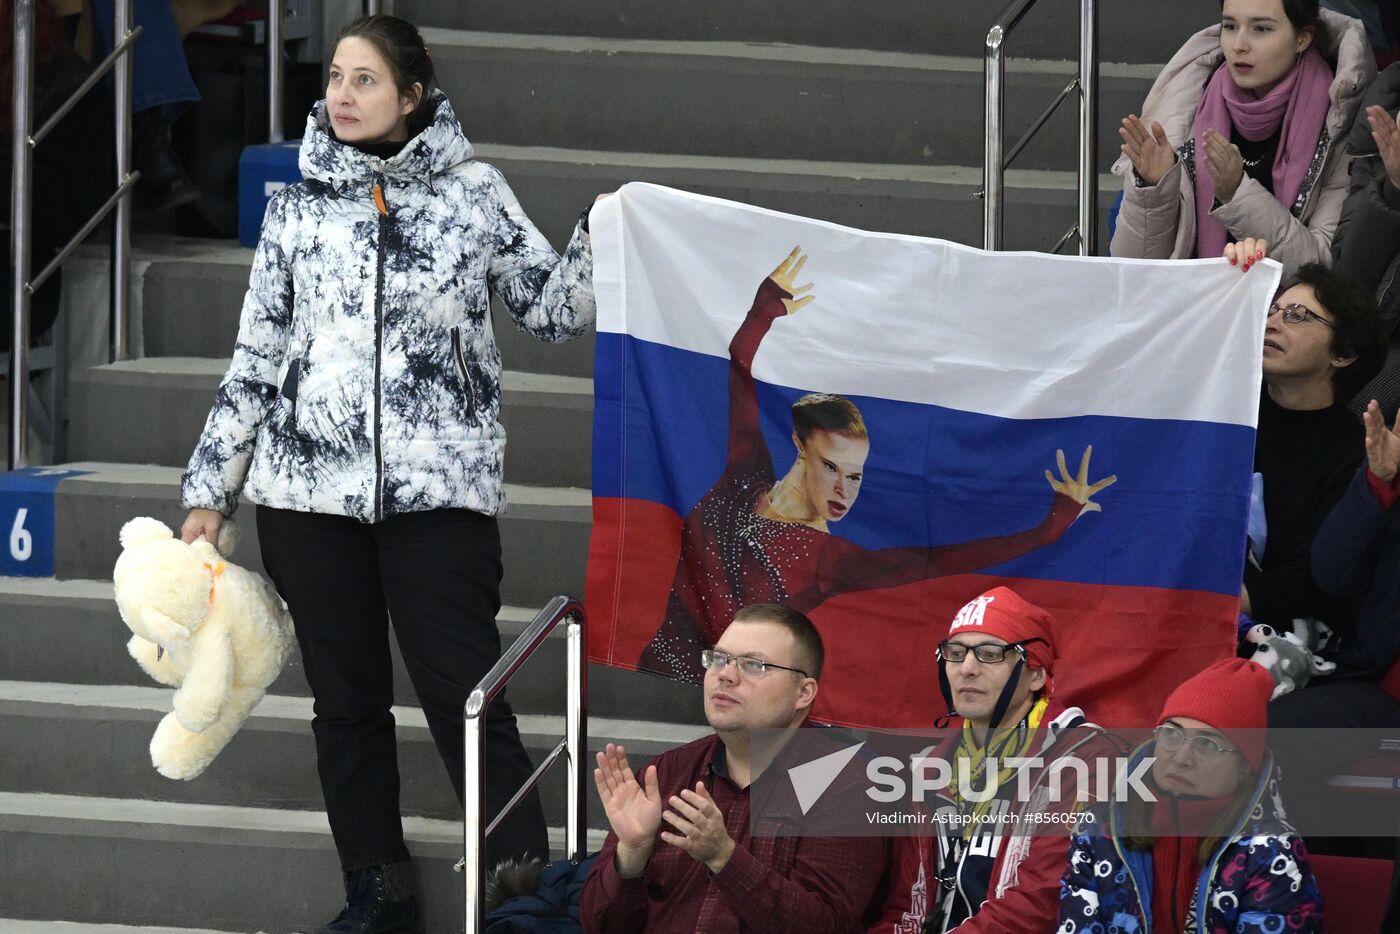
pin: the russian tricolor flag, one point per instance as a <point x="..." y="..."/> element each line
<point x="881" y="447"/>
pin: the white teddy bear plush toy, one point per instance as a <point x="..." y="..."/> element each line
<point x="214" y="630"/>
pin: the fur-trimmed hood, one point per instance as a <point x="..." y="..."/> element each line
<point x="366" y="377"/>
<point x="435" y="150"/>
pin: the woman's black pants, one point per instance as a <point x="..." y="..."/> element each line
<point x="437" y="574"/>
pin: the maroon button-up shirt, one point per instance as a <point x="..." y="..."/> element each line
<point x="772" y="883"/>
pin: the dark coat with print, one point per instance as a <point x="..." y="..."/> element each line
<point x="1257" y="881"/>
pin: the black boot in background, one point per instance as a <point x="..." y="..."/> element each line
<point x="378" y="900"/>
<point x="163" y="183"/>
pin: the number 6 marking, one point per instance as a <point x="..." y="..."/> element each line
<point x="21" y="542"/>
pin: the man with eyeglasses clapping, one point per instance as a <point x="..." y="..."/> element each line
<point x="680" y="856"/>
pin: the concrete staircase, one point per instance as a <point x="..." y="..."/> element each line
<point x="782" y="104"/>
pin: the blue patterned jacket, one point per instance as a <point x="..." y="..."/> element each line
<point x="365" y="380"/>
<point x="1256" y="882"/>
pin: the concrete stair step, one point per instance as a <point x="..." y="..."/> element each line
<point x="69" y="632"/>
<point x="954" y="27"/>
<point x="94" y="739"/>
<point x="922" y="200"/>
<point x="739" y="100"/>
<point x="16" y="926"/>
<point x="544" y="534"/>
<point x="548" y="418"/>
<point x="554" y="184"/>
<point x="124" y="861"/>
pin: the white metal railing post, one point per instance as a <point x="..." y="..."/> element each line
<point x="25" y="140"/>
<point x="474" y="822"/>
<point x="20" y="204"/>
<point x="276" y="10"/>
<point x="122" y="71"/>
<point x="993" y="159"/>
<point x="573" y="747"/>
<point x="1088" y="128"/>
<point x="994" y="142"/>
<point x="576" y="739"/>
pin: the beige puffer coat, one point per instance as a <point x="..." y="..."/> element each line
<point x="1159" y="221"/>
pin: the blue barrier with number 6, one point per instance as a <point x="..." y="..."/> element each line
<point x="27" y="520"/>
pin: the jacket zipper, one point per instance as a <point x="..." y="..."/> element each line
<point x="1317" y="181"/>
<point x="1208" y="874"/>
<point x="1145" y="907"/>
<point x="1176" y="865"/>
<point x="379" y="350"/>
<point x="461" y="361"/>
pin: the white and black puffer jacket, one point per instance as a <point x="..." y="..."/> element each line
<point x="366" y="379"/>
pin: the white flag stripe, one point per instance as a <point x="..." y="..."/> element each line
<point x="1071" y="336"/>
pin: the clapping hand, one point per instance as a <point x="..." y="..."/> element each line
<point x="1079" y="488"/>
<point x="700" y="828"/>
<point x="1385" y="130"/>
<point x="1150" y="152"/>
<point x="633" y="808"/>
<point x="786" y="275"/>
<point x="1382" y="443"/>
<point x="1225" y="164"/>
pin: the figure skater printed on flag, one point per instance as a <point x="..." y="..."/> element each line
<point x="754" y="538"/>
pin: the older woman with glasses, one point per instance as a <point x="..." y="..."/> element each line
<point x="1322" y="343"/>
<point x="1214" y="851"/>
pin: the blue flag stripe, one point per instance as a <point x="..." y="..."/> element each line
<point x="939" y="476"/>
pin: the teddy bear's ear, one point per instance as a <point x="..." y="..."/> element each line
<point x="144" y="529"/>
<point x="228" y="537"/>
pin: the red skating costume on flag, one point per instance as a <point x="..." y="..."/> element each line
<point x="731" y="556"/>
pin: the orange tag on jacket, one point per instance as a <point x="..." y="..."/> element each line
<point x="379" y="201"/>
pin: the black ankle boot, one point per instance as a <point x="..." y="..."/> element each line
<point x="378" y="900"/>
<point x="163" y="184"/>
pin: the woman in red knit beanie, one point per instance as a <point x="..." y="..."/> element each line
<point x="1214" y="851"/>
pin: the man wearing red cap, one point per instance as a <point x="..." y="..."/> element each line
<point x="990" y="868"/>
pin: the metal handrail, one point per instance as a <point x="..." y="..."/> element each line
<point x="23" y="286"/>
<point x="995" y="164"/>
<point x="573" y="746"/>
<point x="276" y="11"/>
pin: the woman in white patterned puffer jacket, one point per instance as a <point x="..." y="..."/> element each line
<point x="361" y="414"/>
<point x="375" y="325"/>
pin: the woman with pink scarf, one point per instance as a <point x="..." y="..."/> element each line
<point x="1242" y="135"/>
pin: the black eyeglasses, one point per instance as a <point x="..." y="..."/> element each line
<point x="1297" y="314"/>
<point x="749" y="667"/>
<point x="988" y="653"/>
<point x="1204" y="747"/>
